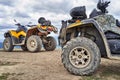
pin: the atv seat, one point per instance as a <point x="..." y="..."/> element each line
<point x="44" y="22"/>
<point x="21" y="28"/>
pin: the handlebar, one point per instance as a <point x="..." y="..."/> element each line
<point x="18" y="24"/>
<point x="30" y="25"/>
<point x="102" y="5"/>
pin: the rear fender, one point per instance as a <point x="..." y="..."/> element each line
<point x="32" y="31"/>
<point x="7" y="34"/>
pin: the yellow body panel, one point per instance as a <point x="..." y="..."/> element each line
<point x="17" y="34"/>
<point x="75" y="24"/>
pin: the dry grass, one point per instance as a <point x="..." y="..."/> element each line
<point x="6" y="63"/>
<point x="19" y="65"/>
<point x="108" y="70"/>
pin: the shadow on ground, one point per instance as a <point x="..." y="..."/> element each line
<point x="108" y="70"/>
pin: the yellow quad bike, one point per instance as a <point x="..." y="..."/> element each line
<point x="31" y="39"/>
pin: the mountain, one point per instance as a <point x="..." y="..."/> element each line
<point x="1" y="45"/>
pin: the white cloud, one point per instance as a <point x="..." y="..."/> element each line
<point x="54" y="10"/>
<point x="114" y="8"/>
<point x="89" y="4"/>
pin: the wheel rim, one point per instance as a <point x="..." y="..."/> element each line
<point x="6" y="44"/>
<point x="79" y="57"/>
<point x="32" y="43"/>
<point x="49" y="44"/>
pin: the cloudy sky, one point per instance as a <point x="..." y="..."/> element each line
<point x="25" y="11"/>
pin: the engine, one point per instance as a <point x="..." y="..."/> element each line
<point x="114" y="46"/>
<point x="114" y="42"/>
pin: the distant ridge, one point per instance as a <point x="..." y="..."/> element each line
<point x="1" y="45"/>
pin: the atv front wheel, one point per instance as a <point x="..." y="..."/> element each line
<point x="7" y="44"/>
<point x="81" y="56"/>
<point x="51" y="44"/>
<point x="34" y="43"/>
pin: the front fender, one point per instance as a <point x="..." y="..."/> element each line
<point x="87" y="23"/>
<point x="7" y="34"/>
<point x="102" y="35"/>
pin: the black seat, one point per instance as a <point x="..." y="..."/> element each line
<point x="77" y="13"/>
<point x="95" y="13"/>
<point x="44" y="22"/>
<point x="21" y="28"/>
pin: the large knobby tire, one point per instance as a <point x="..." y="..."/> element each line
<point x="81" y="56"/>
<point x="34" y="43"/>
<point x="24" y="48"/>
<point x="7" y="44"/>
<point x="51" y="45"/>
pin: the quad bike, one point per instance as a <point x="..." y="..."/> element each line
<point x="85" y="40"/>
<point x="31" y="39"/>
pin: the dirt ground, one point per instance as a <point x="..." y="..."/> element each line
<point x="45" y="65"/>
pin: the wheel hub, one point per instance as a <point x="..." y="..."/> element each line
<point x="49" y="44"/>
<point x="32" y="43"/>
<point x="79" y="57"/>
<point x="6" y="44"/>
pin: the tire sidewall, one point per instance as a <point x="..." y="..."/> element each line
<point x="10" y="44"/>
<point x="95" y="56"/>
<point x="53" y="42"/>
<point x="38" y="43"/>
<point x="86" y="47"/>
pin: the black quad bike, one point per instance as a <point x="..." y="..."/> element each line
<point x="30" y="39"/>
<point x="85" y="40"/>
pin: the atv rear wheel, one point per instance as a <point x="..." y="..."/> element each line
<point x="24" y="48"/>
<point x="34" y="43"/>
<point x="7" y="44"/>
<point x="51" y="45"/>
<point x="81" y="56"/>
